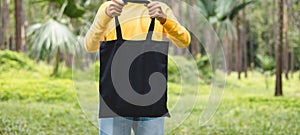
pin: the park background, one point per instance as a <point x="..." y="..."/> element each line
<point x="40" y="38"/>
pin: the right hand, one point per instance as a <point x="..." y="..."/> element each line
<point x="115" y="8"/>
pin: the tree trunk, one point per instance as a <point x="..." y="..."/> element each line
<point x="56" y="64"/>
<point x="175" y="8"/>
<point x="286" y="48"/>
<point x="23" y="28"/>
<point x="274" y="25"/>
<point x="238" y="55"/>
<point x="230" y="51"/>
<point x="270" y="48"/>
<point x="195" y="44"/>
<point x="299" y="40"/>
<point x="227" y="52"/>
<point x="244" y="42"/>
<point x="291" y="10"/>
<point x="5" y="24"/>
<point x="10" y="43"/>
<point x="1" y="32"/>
<point x="298" y="25"/>
<point x="278" y="88"/>
<point x="69" y="60"/>
<point x="251" y="51"/>
<point x="18" y="23"/>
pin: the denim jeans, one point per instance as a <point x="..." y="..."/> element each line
<point x="123" y="126"/>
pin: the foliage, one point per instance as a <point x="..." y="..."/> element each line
<point x="267" y="67"/>
<point x="23" y="79"/>
<point x="42" y="90"/>
<point x="73" y="9"/>
<point x="204" y="67"/>
<point x="219" y="10"/>
<point x="173" y="72"/>
<point x="267" y="64"/>
<point x="11" y="60"/>
<point x="50" y="40"/>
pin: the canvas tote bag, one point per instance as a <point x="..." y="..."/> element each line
<point x="133" y="76"/>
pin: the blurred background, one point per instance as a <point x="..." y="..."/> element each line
<point x="260" y="38"/>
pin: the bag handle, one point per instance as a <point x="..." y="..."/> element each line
<point x="151" y="27"/>
<point x="138" y="1"/>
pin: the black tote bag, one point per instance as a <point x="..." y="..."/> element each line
<point x="137" y="87"/>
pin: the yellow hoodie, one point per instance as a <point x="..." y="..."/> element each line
<point x="135" y="22"/>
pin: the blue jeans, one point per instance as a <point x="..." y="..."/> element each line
<point x="123" y="125"/>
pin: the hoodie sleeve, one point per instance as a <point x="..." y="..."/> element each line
<point x="97" y="30"/>
<point x="174" y="31"/>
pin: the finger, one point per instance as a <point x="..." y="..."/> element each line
<point x="119" y="2"/>
<point x="153" y="15"/>
<point x="117" y="5"/>
<point x="116" y="12"/>
<point x="155" y="8"/>
<point x="152" y="4"/>
<point x="154" y="12"/>
<point x="117" y="9"/>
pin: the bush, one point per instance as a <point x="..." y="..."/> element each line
<point x="13" y="60"/>
<point x="204" y="68"/>
<point x="40" y="90"/>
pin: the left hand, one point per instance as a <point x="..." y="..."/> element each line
<point x="155" y="11"/>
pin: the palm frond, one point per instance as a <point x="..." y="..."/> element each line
<point x="50" y="37"/>
<point x="238" y="8"/>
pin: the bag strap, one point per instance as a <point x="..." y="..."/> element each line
<point x="151" y="27"/>
<point x="138" y="1"/>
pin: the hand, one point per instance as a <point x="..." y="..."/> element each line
<point x="155" y="11"/>
<point x="115" y="8"/>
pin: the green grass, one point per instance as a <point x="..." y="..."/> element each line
<point x="31" y="102"/>
<point x="37" y="104"/>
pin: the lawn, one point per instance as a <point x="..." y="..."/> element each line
<point x="32" y="102"/>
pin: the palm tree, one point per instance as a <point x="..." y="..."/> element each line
<point x="51" y="40"/>
<point x="278" y="88"/>
<point x="222" y="13"/>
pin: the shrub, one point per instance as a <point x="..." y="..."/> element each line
<point x="13" y="60"/>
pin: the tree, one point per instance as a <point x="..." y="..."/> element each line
<point x="286" y="39"/>
<point x="278" y="87"/>
<point x="290" y="10"/>
<point x="5" y="23"/>
<point x="238" y="52"/>
<point x="18" y="23"/>
<point x="252" y="64"/>
<point x="274" y="24"/>
<point x="1" y="32"/>
<point x="267" y="34"/>
<point x="244" y="41"/>
<point x="51" y="40"/>
<point x="221" y="13"/>
<point x="195" y="44"/>
<point x="54" y="40"/>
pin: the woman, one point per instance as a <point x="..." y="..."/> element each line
<point x="134" y="20"/>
